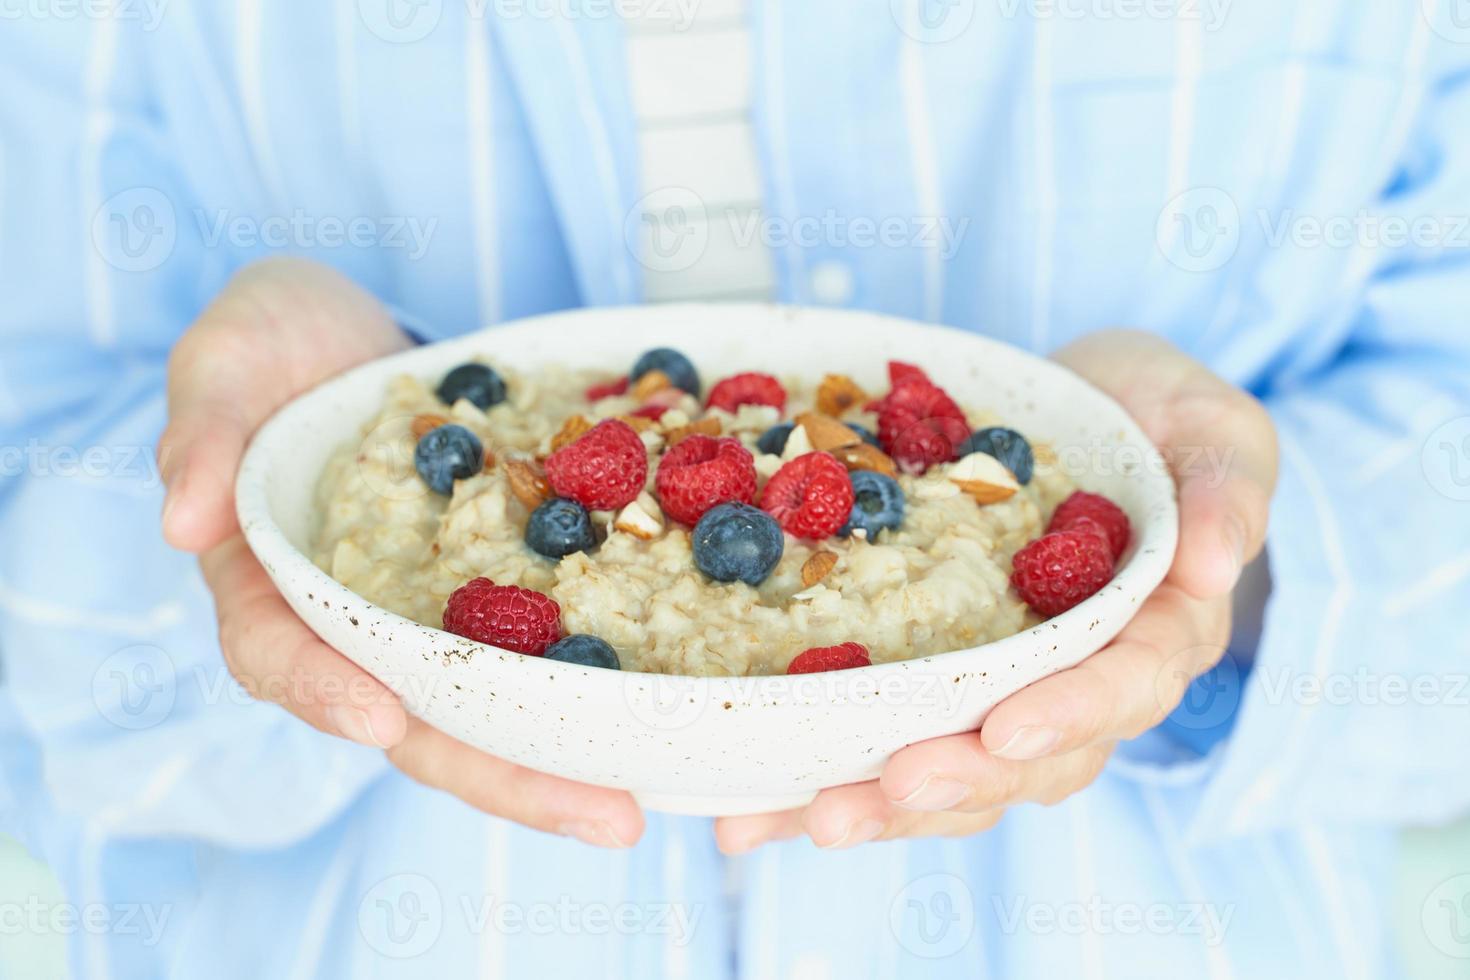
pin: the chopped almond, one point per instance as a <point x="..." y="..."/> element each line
<point x="571" y="430"/>
<point x="837" y="394"/>
<point x="640" y="423"/>
<point x="826" y="433"/>
<point x="642" y="518"/>
<point x="527" y="482"/>
<point x="867" y="457"/>
<point x="983" y="477"/>
<point x="817" y="567"/>
<point x="423" y="424"/>
<point x="652" y="381"/>
<point x="704" y="427"/>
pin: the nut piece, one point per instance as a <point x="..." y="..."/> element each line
<point x="704" y="427"/>
<point x="866" y="457"/>
<point x="642" y="518"/>
<point x="423" y="424"/>
<point x="640" y="423"/>
<point x="527" y="482"/>
<point x="826" y="433"/>
<point x="798" y="443"/>
<point x="651" y="382"/>
<point x="983" y="477"/>
<point x="571" y="430"/>
<point x="837" y="394"/>
<point x="817" y="567"/>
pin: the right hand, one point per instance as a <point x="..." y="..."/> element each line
<point x="277" y="329"/>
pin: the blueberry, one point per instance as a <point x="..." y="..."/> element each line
<point x="559" y="527"/>
<point x="477" y="382"/>
<point x="678" y="367"/>
<point x="737" y="542"/>
<point x="584" y="649"/>
<point x="867" y="434"/>
<point x="1006" y="445"/>
<point x="877" y="504"/>
<point x="773" y="440"/>
<point x="448" y="453"/>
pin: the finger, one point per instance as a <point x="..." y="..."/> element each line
<point x="738" y="835"/>
<point x="592" y="814"/>
<point x="1119" y="692"/>
<point x="956" y="773"/>
<point x="279" y="327"/>
<point x="198" y="455"/>
<point x="1220" y="444"/>
<point x="846" y="816"/>
<point x="1222" y="452"/>
<point x="275" y="657"/>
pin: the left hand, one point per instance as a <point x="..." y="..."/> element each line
<point x="1051" y="739"/>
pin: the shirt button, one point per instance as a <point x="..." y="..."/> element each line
<point x="831" y="283"/>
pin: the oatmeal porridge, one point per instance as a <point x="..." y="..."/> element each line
<point x="761" y="526"/>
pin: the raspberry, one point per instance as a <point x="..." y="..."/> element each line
<point x="1058" y="570"/>
<point x="1084" y="510"/>
<point x="607" y="389"/>
<point x="844" y="656"/>
<point x="703" y="471"/>
<point x="750" y="388"/>
<point x="603" y="470"/>
<point x="901" y="373"/>
<point x="810" y="496"/>
<point x="919" y="425"/>
<point x="505" y="616"/>
<point x="650" y="411"/>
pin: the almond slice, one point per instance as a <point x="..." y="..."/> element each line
<point x="422" y="425"/>
<point x="704" y="427"/>
<point x="798" y="443"/>
<point x="826" y="433"/>
<point x="640" y="423"/>
<point x="817" y="567"/>
<point x="983" y="477"/>
<point x="837" y="394"/>
<point x="649" y="383"/>
<point x="642" y="519"/>
<point x="571" y="430"/>
<point x="527" y="482"/>
<point x="867" y="457"/>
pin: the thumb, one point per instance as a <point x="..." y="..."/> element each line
<point x="1219" y="442"/>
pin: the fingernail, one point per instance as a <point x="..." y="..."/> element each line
<point x="935" y="793"/>
<point x="598" y="833"/>
<point x="354" y="723"/>
<point x="1029" y="742"/>
<point x="1235" y="545"/>
<point x="858" y="832"/>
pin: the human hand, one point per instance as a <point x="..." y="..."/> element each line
<point x="277" y="329"/>
<point x="1051" y="739"/>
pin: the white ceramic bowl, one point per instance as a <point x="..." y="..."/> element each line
<point x="711" y="745"/>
